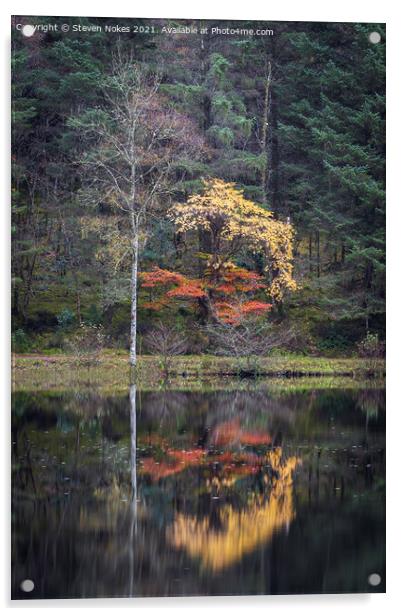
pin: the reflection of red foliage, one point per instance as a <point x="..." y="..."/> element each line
<point x="231" y="464"/>
<point x="240" y="470"/>
<point x="178" y="461"/>
<point x="160" y="470"/>
<point x="239" y="464"/>
<point x="255" y="438"/>
<point x="189" y="456"/>
<point x="227" y="432"/>
<point x="230" y="432"/>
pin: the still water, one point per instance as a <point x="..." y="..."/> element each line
<point x="171" y="493"/>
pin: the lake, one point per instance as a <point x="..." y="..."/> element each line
<point x="242" y="490"/>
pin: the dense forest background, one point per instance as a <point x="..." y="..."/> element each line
<point x="296" y="120"/>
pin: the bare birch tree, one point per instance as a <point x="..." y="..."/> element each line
<point x="248" y="341"/>
<point x="130" y="146"/>
<point x="165" y="341"/>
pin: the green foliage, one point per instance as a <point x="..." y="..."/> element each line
<point x="322" y="166"/>
<point x="219" y="66"/>
<point x="221" y="104"/>
<point x="335" y="186"/>
<point x="93" y="316"/>
<point x="221" y="135"/>
<point x="119" y="323"/>
<point x="20" y="342"/>
<point x="65" y="318"/>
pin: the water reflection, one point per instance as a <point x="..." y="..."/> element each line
<point x="134" y="494"/>
<point x="227" y="534"/>
<point x="175" y="493"/>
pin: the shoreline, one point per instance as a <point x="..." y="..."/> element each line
<point x="61" y="372"/>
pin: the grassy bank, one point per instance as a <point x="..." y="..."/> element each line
<point x="187" y="371"/>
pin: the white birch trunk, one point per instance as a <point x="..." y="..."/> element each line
<point x="134" y="282"/>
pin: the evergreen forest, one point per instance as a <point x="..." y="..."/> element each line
<point x="198" y="193"/>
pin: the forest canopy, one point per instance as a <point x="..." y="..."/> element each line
<point x="245" y="173"/>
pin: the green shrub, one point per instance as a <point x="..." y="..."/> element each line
<point x="65" y="318"/>
<point x="94" y="315"/>
<point x="53" y="339"/>
<point x="370" y="347"/>
<point x="86" y="344"/>
<point x="20" y="342"/>
<point x="333" y="343"/>
<point x="372" y="350"/>
<point x="118" y="323"/>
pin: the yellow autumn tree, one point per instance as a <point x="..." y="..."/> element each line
<point x="234" y="223"/>
<point x="241" y="531"/>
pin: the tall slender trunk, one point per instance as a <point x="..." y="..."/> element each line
<point x="264" y="134"/>
<point x="206" y="101"/>
<point x="368" y="281"/>
<point x="273" y="171"/>
<point x="134" y="281"/>
<point x="318" y="254"/>
<point x="133" y="440"/>
<point x="79" y="315"/>
<point x="343" y="253"/>
<point x="78" y="298"/>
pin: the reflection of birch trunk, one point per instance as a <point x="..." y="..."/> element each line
<point x="133" y="508"/>
<point x="77" y="452"/>
<point x="133" y="429"/>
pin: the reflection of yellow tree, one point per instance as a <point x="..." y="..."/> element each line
<point x="370" y="401"/>
<point x="241" y="531"/>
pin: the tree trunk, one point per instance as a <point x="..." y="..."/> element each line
<point x="264" y="134"/>
<point x="273" y="171"/>
<point x="78" y="299"/>
<point x="343" y="253"/>
<point x="318" y="256"/>
<point x="368" y="281"/>
<point x="79" y="316"/>
<point x="206" y="101"/>
<point x="134" y="280"/>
